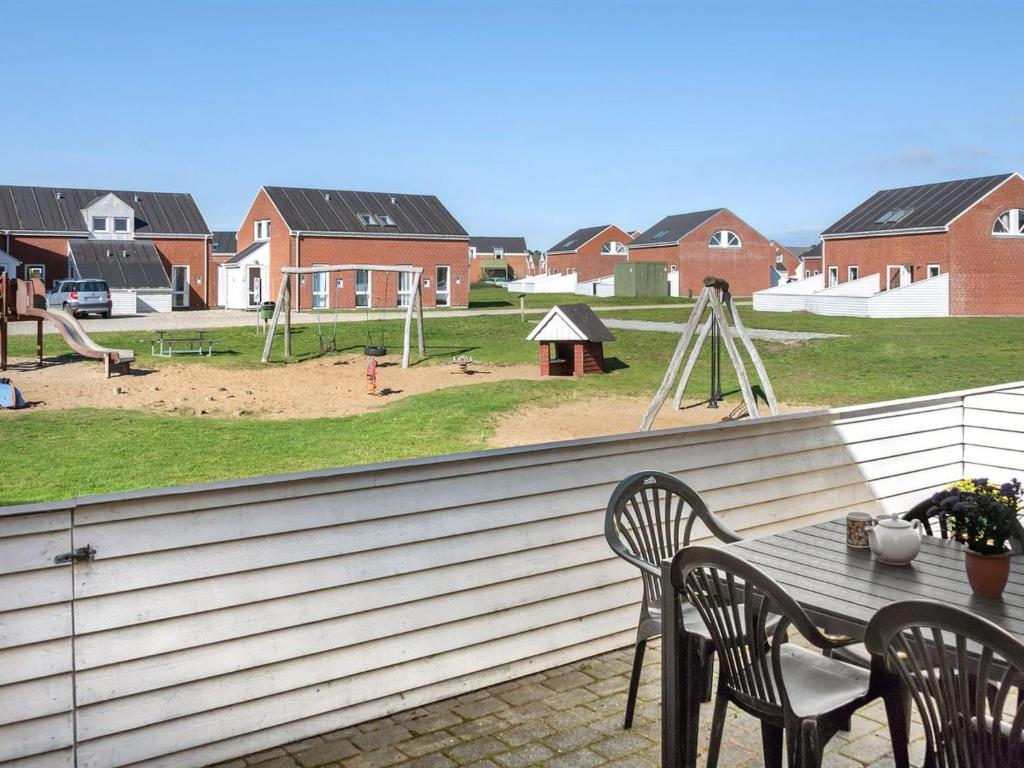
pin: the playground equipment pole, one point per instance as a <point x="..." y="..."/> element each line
<point x="288" y="316"/>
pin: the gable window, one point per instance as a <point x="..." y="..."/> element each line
<point x="368" y="220"/>
<point x="120" y="224"/>
<point x="1009" y="223"/>
<point x="613" y="248"/>
<point x="934" y="270"/>
<point x="724" y="238"/>
<point x="852" y="273"/>
<point x="262" y="229"/>
<point x="386" y="221"/>
<point x="499" y="253"/>
<point x="99" y="224"/>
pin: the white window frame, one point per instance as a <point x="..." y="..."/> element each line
<point x="127" y="225"/>
<point x="934" y="270"/>
<point x="904" y="269"/>
<point x="852" y="273"/>
<point x="720" y="239"/>
<point x="779" y="258"/>
<point x="325" y="293"/>
<point x="369" y="289"/>
<point x="833" y="276"/>
<point x="499" y="253"/>
<point x="106" y="223"/>
<point x="42" y="271"/>
<point x="188" y="286"/>
<point x="613" y="248"/>
<point x="385" y="220"/>
<point x="447" y="292"/>
<point x="405" y="288"/>
<point x="1015" y="222"/>
<point x="368" y="219"/>
<point x="261" y="229"/>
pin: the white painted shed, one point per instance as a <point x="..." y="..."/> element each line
<point x="244" y="279"/>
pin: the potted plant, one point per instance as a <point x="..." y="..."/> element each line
<point x="984" y="517"/>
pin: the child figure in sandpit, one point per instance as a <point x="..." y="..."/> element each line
<point x="371" y="375"/>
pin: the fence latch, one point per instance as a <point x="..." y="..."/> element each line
<point x="80" y="554"/>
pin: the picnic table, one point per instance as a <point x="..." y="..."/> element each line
<point x="190" y="342"/>
<point x="841" y="588"/>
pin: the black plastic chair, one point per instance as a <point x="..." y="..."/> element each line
<point x="797" y="694"/>
<point x="960" y="670"/>
<point x="650" y="516"/>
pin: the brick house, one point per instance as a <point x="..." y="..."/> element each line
<point x="309" y="227"/>
<point x="590" y="252"/>
<point x="808" y="260"/>
<point x="505" y="257"/>
<point x="972" y="229"/>
<point x="715" y="242"/>
<point x="36" y="224"/>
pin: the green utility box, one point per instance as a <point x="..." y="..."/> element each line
<point x="641" y="278"/>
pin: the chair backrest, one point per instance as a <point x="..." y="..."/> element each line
<point x="734" y="599"/>
<point x="933" y="520"/>
<point x="960" y="670"/>
<point x="650" y="516"/>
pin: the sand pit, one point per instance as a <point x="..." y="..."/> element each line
<point x="325" y="387"/>
<point x="602" y="416"/>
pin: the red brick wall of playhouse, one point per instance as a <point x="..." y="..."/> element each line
<point x="873" y="255"/>
<point x="986" y="270"/>
<point x="516" y="263"/>
<point x="427" y="254"/>
<point x="51" y="252"/>
<point x="193" y="253"/>
<point x="588" y="261"/>
<point x="747" y="268"/>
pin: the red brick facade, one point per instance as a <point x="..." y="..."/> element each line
<point x="516" y="265"/>
<point x="585" y="357"/>
<point x="983" y="268"/>
<point x="746" y="268"/>
<point x="52" y="252"/>
<point x="587" y="260"/>
<point x="338" y="249"/>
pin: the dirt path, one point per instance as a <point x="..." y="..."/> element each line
<point x="326" y="387"/>
<point x="604" y="416"/>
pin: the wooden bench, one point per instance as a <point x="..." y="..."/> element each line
<point x="169" y="343"/>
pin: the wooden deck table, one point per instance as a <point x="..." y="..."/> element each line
<point x="841" y="588"/>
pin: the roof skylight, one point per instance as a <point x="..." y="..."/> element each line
<point x="894" y="215"/>
<point x="660" y="235"/>
<point x="385" y="220"/>
<point x="368" y="220"/>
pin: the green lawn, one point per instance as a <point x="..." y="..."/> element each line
<point x="80" y="451"/>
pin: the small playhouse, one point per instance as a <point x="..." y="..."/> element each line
<point x="571" y="340"/>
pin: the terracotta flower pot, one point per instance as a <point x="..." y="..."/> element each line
<point x="987" y="573"/>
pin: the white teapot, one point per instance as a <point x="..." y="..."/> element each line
<point x="895" y="541"/>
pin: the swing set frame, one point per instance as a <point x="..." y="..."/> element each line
<point x="284" y="306"/>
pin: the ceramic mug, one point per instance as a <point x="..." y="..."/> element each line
<point x="857" y="524"/>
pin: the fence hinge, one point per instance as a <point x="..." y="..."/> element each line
<point x="80" y="554"/>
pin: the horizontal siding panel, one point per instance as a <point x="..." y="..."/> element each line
<point x="995" y="438"/>
<point x="34" y="625"/>
<point x="1010" y="422"/>
<point x="28" y="662"/>
<point x="35" y="698"/>
<point x="35" y="737"/>
<point x="997" y="458"/>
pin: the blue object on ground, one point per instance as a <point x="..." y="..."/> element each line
<point x="10" y="397"/>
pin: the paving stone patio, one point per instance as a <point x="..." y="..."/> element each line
<point x="568" y="717"/>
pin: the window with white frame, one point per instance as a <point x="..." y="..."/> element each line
<point x="833" y="276"/>
<point x="724" y="238"/>
<point x="120" y="224"/>
<point x="385" y="221"/>
<point x="262" y="229"/>
<point x="1009" y="223"/>
<point x="613" y="248"/>
<point x="368" y="220"/>
<point x="778" y="258"/>
<point x="852" y="272"/>
<point x="35" y="272"/>
<point x="499" y="253"/>
<point x="934" y="270"/>
<point x="99" y="224"/>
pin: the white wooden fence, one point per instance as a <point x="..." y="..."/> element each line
<point x="858" y="298"/>
<point x="222" y="619"/>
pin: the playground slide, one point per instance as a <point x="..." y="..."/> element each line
<point x="31" y="302"/>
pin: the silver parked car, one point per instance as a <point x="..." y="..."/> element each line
<point x="81" y="297"/>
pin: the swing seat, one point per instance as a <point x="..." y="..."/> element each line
<point x="375" y="350"/>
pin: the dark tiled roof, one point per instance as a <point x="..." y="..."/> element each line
<point x="488" y="244"/>
<point x="814" y="252"/>
<point x="122" y="263"/>
<point x="928" y="207"/>
<point x="584" y="318"/>
<point x="59" y="209"/>
<point x="337" y="211"/>
<point x="255" y="246"/>
<point x="224" y="242"/>
<point x="672" y="229"/>
<point x="577" y="238"/>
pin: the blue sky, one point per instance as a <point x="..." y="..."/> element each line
<point x="524" y="118"/>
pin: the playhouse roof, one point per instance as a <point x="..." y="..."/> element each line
<point x="570" y="322"/>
